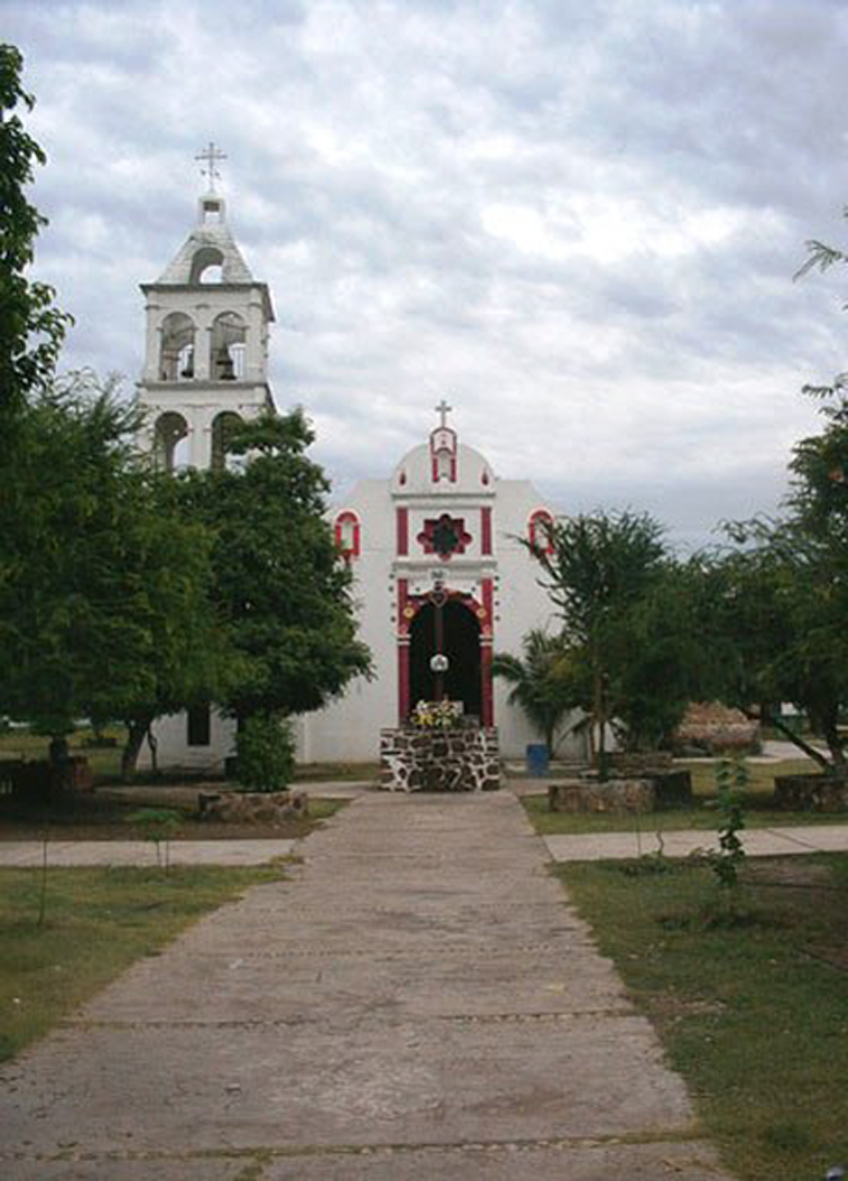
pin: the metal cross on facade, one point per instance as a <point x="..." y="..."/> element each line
<point x="443" y="410"/>
<point x="210" y="156"/>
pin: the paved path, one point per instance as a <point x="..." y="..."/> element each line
<point x="63" y="854"/>
<point x="606" y="846"/>
<point x="418" y="1002"/>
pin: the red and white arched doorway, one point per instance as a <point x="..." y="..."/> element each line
<point x="461" y="628"/>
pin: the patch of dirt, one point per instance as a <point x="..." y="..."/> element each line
<point x="788" y="873"/>
<point x="103" y="816"/>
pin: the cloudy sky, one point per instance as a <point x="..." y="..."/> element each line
<point x="577" y="219"/>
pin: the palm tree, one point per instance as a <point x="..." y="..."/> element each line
<point x="545" y="680"/>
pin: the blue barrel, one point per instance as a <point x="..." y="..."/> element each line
<point x="538" y="758"/>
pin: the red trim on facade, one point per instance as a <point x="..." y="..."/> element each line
<point x="404" y="705"/>
<point x="488" y="704"/>
<point x="402" y="530"/>
<point x="403" y="622"/>
<point x="488" y="595"/>
<point x="349" y="548"/>
<point x="487" y="632"/>
<point x="539" y="531"/>
<point x="485" y="531"/>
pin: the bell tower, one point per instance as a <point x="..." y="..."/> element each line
<point x="206" y="361"/>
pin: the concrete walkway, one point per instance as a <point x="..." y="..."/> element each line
<point x="418" y="1002"/>
<point x="66" y="854"/>
<point x="606" y="846"/>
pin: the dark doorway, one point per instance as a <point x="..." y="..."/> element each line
<point x="461" y="645"/>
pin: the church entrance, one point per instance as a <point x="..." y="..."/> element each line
<point x="460" y="642"/>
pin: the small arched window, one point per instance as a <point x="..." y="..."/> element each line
<point x="206" y="266"/>
<point x="540" y="531"/>
<point x="347" y="532"/>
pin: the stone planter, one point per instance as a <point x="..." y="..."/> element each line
<point x="622" y="797"/>
<point x="617" y="797"/>
<point x="252" y="807"/>
<point x="440" y="760"/>
<point x="810" y="793"/>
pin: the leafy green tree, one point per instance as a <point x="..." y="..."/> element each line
<point x="785" y="603"/>
<point x="103" y="604"/>
<point x="279" y="585"/>
<point x="664" y="652"/>
<point x="31" y="329"/>
<point x="786" y="593"/>
<point x="547" y="681"/>
<point x="190" y="660"/>
<point x="598" y="569"/>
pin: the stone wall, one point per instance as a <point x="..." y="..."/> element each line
<point x="439" y="759"/>
<point x="252" y="807"/>
<point x="617" y="796"/>
<point x="810" y="793"/>
<point x="623" y="795"/>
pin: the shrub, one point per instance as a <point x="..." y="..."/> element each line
<point x="264" y="753"/>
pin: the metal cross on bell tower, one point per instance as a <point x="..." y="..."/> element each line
<point x="210" y="156"/>
<point x="443" y="410"/>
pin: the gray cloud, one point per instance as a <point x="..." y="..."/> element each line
<point x="578" y="220"/>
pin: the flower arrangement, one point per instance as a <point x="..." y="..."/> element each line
<point x="431" y="715"/>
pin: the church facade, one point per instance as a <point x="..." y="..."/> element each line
<point x="441" y="577"/>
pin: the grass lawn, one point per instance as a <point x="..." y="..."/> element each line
<point x="97" y="922"/>
<point x="752" y="1012"/>
<point x="760" y="812"/>
<point x="106" y="815"/>
<point x="105" y="761"/>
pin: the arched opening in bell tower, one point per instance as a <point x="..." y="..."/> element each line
<point x="460" y="643"/>
<point x="223" y="426"/>
<point x="229" y="336"/>
<point x="176" y="362"/>
<point x="170" y="441"/>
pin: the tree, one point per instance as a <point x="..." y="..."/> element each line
<point x="279" y="584"/>
<point x="599" y="566"/>
<point x="786" y="597"/>
<point x="191" y="660"/>
<point x="31" y="329"/>
<point x="546" y="682"/>
<point x="634" y="622"/>
<point x="785" y="604"/>
<point x="103" y="604"/>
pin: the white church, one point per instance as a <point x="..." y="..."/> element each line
<point x="434" y="545"/>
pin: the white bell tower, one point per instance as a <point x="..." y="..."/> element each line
<point x="206" y="362"/>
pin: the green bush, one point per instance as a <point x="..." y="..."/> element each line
<point x="264" y="753"/>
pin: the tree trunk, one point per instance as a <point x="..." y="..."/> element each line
<point x="136" y="730"/>
<point x="772" y="719"/>
<point x="600" y="720"/>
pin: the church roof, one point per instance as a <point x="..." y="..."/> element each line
<point x="211" y="243"/>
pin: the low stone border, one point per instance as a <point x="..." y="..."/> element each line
<point x="810" y="793"/>
<point x="620" y="797"/>
<point x="252" y="807"/>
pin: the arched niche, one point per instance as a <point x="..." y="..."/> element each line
<point x="229" y="335"/>
<point x="457" y="635"/>
<point x="170" y="441"/>
<point x="222" y="428"/>
<point x="176" y="361"/>
<point x="348" y="531"/>
<point x="206" y="266"/>
<point x="540" y="534"/>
